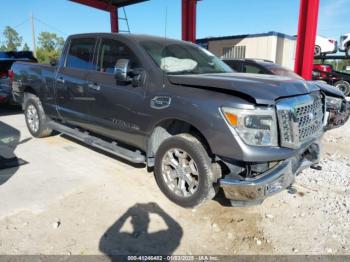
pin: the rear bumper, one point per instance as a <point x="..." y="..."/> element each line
<point x="5" y="96"/>
<point x="272" y="181"/>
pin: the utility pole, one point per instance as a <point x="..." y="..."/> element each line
<point x="33" y="33"/>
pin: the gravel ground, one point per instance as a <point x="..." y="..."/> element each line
<point x="317" y="218"/>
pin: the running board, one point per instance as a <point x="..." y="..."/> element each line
<point x="112" y="148"/>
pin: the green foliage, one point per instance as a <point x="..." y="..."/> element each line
<point x="26" y="47"/>
<point x="50" y="47"/>
<point x="12" y="39"/>
<point x="3" y="48"/>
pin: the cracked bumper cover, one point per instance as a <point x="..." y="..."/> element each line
<point x="272" y="181"/>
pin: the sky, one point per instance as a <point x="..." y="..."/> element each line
<point x="214" y="18"/>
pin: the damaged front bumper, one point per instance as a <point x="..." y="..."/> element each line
<point x="255" y="190"/>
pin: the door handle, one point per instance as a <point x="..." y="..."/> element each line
<point x="94" y="86"/>
<point x="60" y="80"/>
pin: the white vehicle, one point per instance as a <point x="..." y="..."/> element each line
<point x="345" y="44"/>
<point x="325" y="45"/>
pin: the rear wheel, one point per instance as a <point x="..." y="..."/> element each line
<point x="343" y="86"/>
<point x="317" y="51"/>
<point x="347" y="51"/>
<point x="184" y="171"/>
<point x="36" y="119"/>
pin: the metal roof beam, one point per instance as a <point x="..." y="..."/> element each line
<point x="94" y="3"/>
<point x="107" y="5"/>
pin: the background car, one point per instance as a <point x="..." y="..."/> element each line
<point x="326" y="72"/>
<point x="324" y="45"/>
<point x="259" y="66"/>
<point x="6" y="61"/>
<point x="344" y="45"/>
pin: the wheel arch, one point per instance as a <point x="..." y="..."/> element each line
<point x="29" y="89"/>
<point x="171" y="127"/>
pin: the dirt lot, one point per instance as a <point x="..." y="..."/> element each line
<point x="70" y="199"/>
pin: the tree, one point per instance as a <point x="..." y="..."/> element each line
<point x="12" y="39"/>
<point x="50" y="47"/>
<point x="3" y="48"/>
<point x="26" y="47"/>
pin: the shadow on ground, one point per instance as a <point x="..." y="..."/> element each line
<point x="7" y="110"/>
<point x="138" y="240"/>
<point x="9" y="163"/>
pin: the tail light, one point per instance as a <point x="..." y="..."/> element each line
<point x="11" y="75"/>
<point x="3" y="74"/>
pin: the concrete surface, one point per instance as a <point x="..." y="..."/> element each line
<point x="71" y="199"/>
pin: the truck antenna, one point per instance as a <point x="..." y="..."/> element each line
<point x="166" y="21"/>
<point x="33" y="33"/>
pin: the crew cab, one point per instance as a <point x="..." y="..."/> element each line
<point x="176" y="107"/>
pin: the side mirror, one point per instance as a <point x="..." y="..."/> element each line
<point x="122" y="68"/>
<point x="53" y="62"/>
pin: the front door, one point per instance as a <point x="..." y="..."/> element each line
<point x="117" y="107"/>
<point x="71" y="84"/>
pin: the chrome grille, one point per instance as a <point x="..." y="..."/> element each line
<point x="300" y="119"/>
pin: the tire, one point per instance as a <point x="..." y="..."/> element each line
<point x="343" y="86"/>
<point x="317" y="51"/>
<point x="347" y="51"/>
<point x="196" y="167"/>
<point x="36" y="120"/>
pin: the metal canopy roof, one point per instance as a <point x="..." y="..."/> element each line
<point x="120" y="3"/>
<point x="108" y="4"/>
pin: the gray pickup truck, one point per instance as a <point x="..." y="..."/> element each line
<point x="182" y="111"/>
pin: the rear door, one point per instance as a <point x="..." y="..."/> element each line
<point x="117" y="108"/>
<point x="71" y="86"/>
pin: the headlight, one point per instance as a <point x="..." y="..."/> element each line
<point x="256" y="127"/>
<point x="333" y="103"/>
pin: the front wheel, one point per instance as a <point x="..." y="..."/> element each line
<point x="184" y="171"/>
<point x="343" y="86"/>
<point x="317" y="51"/>
<point x="36" y="119"/>
<point x="347" y="51"/>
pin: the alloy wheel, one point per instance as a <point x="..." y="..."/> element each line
<point x="33" y="118"/>
<point x="180" y="172"/>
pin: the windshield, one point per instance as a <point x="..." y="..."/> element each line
<point x="282" y="71"/>
<point x="180" y="58"/>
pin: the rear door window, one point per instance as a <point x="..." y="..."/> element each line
<point x="252" y="69"/>
<point x="81" y="54"/>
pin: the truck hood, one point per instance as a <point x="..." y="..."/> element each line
<point x="262" y="89"/>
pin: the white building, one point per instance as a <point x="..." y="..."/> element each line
<point x="273" y="46"/>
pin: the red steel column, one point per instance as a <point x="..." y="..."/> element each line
<point x="189" y="17"/>
<point x="114" y="19"/>
<point x="307" y="30"/>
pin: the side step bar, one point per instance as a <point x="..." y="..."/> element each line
<point x="132" y="156"/>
